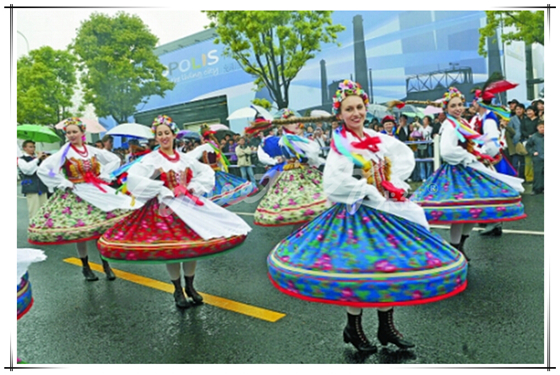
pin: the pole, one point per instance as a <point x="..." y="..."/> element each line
<point x="437" y="161"/>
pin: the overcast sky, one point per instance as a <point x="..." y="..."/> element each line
<point x="57" y="27"/>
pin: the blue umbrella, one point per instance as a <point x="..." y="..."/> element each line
<point x="188" y="134"/>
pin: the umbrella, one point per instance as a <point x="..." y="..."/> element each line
<point x="92" y="126"/>
<point x="408" y="108"/>
<point x="378" y="110"/>
<point x="188" y="134"/>
<point x="217" y="127"/>
<point x="431" y="110"/>
<point x="251" y="111"/>
<point x="132" y="130"/>
<point x="320" y="113"/>
<point x="37" y="133"/>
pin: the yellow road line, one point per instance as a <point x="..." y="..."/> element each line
<point x="223" y="303"/>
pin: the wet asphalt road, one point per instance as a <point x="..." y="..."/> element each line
<point x="499" y="319"/>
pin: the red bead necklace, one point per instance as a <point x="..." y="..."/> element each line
<point x="175" y="158"/>
<point x="83" y="153"/>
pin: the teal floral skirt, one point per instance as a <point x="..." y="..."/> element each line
<point x="366" y="259"/>
<point x="24" y="297"/>
<point x="456" y="194"/>
<point x="67" y="218"/>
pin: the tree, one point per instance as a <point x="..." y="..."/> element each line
<point x="45" y="85"/>
<point x="529" y="27"/>
<point x="118" y="64"/>
<point x="273" y="46"/>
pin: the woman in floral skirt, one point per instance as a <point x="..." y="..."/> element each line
<point x="84" y="206"/>
<point x="228" y="189"/>
<point x="373" y="248"/>
<point x="176" y="226"/>
<point x="464" y="191"/>
<point x="295" y="195"/>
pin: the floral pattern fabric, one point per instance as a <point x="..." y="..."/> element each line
<point x="67" y="218"/>
<point x="156" y="234"/>
<point x="296" y="197"/>
<point x="24" y="297"/>
<point x="367" y="258"/>
<point x="459" y="194"/>
<point x="229" y="189"/>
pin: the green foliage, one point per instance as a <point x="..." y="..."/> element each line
<point x="118" y="65"/>
<point x="529" y="27"/>
<point x="273" y="46"/>
<point x="45" y="86"/>
<point x="263" y="103"/>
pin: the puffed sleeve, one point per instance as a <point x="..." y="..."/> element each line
<point x="50" y="172"/>
<point x="140" y="181"/>
<point x="203" y="177"/>
<point x="28" y="167"/>
<point x="402" y="160"/>
<point x="491" y="147"/>
<point x="265" y="158"/>
<point x="341" y="187"/>
<point x="450" y="150"/>
<point x="197" y="152"/>
<point x="108" y="160"/>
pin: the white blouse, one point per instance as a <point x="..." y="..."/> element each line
<point x="105" y="201"/>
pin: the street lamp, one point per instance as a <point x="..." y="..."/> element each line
<point x="20" y="33"/>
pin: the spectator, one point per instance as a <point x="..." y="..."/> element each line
<point x="535" y="148"/>
<point x="224" y="147"/>
<point x="512" y="104"/>
<point x="426" y="150"/>
<point x="107" y="142"/>
<point x="309" y="132"/>
<point x="32" y="187"/>
<point x="388" y="124"/>
<point x="99" y="144"/>
<point x="515" y="124"/>
<point x="414" y="136"/>
<point x="402" y="130"/>
<point x="528" y="128"/>
<point x="243" y="154"/>
<point x="436" y="125"/>
<point x="152" y="143"/>
<point x="319" y="137"/>
<point x="539" y="105"/>
<point x="231" y="151"/>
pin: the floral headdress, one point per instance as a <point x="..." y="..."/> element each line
<point x="345" y="89"/>
<point x="164" y="120"/>
<point x="74" y="121"/>
<point x="453" y="92"/>
<point x="286" y="113"/>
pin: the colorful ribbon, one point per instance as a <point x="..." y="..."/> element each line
<point x="499" y="111"/>
<point x="340" y="144"/>
<point x="223" y="160"/>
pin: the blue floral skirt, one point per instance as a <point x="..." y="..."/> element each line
<point x="366" y="259"/>
<point x="230" y="189"/>
<point x="24" y="298"/>
<point x="457" y="194"/>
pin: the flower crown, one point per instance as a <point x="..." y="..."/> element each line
<point x="345" y="89"/>
<point x="453" y="92"/>
<point x="286" y="113"/>
<point x="74" y="121"/>
<point x="164" y="120"/>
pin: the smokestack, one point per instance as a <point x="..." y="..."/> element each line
<point x="360" y="58"/>
<point x="324" y="92"/>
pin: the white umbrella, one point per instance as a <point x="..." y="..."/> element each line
<point x="430" y="110"/>
<point x="132" y="130"/>
<point x="320" y="113"/>
<point x="378" y="110"/>
<point x="251" y="111"/>
<point x="217" y="127"/>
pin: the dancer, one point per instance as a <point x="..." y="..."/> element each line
<point x="295" y="195"/>
<point x="464" y="191"/>
<point x="175" y="225"/>
<point x="228" y="189"/>
<point x="84" y="206"/>
<point x="373" y="248"/>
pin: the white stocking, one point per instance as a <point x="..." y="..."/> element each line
<point x="82" y="249"/>
<point x="189" y="267"/>
<point x="174" y="270"/>
<point x="456" y="231"/>
<point x="467" y="229"/>
<point x="354" y="310"/>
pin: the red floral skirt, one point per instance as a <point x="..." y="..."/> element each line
<point x="155" y="234"/>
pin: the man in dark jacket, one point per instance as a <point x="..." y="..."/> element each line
<point x="535" y="148"/>
<point x="32" y="187"/>
<point x="401" y="133"/>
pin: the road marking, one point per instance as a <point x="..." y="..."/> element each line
<point x="223" y="303"/>
<point x="534" y="233"/>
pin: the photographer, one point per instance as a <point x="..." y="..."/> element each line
<point x="31" y="186"/>
<point x="243" y="152"/>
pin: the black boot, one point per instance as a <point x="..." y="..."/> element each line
<point x="191" y="292"/>
<point x="180" y="299"/>
<point x="88" y="273"/>
<point x="108" y="271"/>
<point x="387" y="331"/>
<point x="354" y="334"/>
<point x="459" y="247"/>
<point x="494" y="229"/>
